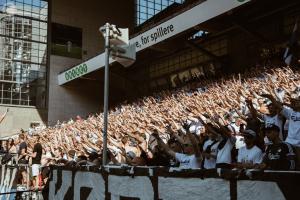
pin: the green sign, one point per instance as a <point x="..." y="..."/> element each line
<point x="76" y="72"/>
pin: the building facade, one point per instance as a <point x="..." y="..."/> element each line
<point x="23" y="63"/>
<point x="38" y="40"/>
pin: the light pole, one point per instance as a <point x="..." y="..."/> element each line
<point x="115" y="39"/>
<point x="106" y="93"/>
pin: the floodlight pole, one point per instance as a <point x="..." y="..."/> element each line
<point x="106" y="93"/>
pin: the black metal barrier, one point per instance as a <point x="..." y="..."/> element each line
<point x="146" y="183"/>
<point x="22" y="195"/>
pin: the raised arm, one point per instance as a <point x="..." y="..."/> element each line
<point x="3" y="116"/>
<point x="224" y="130"/>
<point x="179" y="139"/>
<point x="276" y="103"/>
<point x="165" y="147"/>
<point x="194" y="144"/>
<point x="252" y="110"/>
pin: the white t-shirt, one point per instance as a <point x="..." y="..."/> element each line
<point x="186" y="161"/>
<point x="239" y="143"/>
<point x="234" y="128"/>
<point x="211" y="162"/>
<point x="276" y="120"/>
<point x="293" y="136"/>
<point x="224" y="154"/>
<point x="250" y="156"/>
<point x="48" y="154"/>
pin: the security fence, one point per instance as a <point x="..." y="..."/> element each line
<point x="15" y="183"/>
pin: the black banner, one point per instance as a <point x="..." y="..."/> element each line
<point x="169" y="184"/>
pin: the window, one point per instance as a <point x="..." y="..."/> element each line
<point x="23" y="49"/>
<point x="148" y="8"/>
<point x="66" y="41"/>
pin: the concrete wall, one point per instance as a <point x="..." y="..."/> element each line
<point x="90" y="15"/>
<point x="19" y="117"/>
<point x="66" y="102"/>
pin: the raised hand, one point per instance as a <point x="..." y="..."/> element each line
<point x="269" y="96"/>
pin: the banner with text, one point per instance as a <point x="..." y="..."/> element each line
<point x="165" y="184"/>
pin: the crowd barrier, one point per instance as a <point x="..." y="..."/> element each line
<point x="12" y="160"/>
<point x="138" y="183"/>
<point x="10" y="188"/>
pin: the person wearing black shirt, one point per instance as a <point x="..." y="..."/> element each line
<point x="279" y="155"/>
<point x="1" y="150"/>
<point x="22" y="153"/>
<point x="36" y="160"/>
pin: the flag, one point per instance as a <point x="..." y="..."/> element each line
<point x="293" y="43"/>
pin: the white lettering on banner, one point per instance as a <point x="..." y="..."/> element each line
<point x="8" y="176"/>
<point x="65" y="185"/>
<point x="168" y="188"/>
<point x="192" y="188"/>
<point x="90" y="180"/>
<point x="125" y="186"/>
<point x="158" y="34"/>
<point x="182" y="22"/>
<point x="262" y="190"/>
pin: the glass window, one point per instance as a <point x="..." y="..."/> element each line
<point x="184" y="61"/>
<point x="23" y="50"/>
<point x="148" y="8"/>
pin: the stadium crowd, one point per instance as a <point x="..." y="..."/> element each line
<point x="250" y="120"/>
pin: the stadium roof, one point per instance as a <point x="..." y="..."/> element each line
<point x="182" y="22"/>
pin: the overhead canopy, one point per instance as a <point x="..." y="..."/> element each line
<point x="174" y="26"/>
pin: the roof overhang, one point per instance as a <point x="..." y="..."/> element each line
<point x="182" y="22"/>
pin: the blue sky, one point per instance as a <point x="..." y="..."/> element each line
<point x="148" y="8"/>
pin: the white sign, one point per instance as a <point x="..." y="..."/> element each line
<point x="93" y="181"/>
<point x="194" y="188"/>
<point x="125" y="186"/>
<point x="92" y="185"/>
<point x="182" y="22"/>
